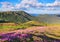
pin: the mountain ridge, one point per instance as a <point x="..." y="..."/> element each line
<point x="16" y="16"/>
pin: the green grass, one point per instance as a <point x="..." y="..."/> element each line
<point x="22" y="26"/>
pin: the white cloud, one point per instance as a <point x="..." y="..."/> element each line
<point x="35" y="4"/>
<point x="32" y="5"/>
<point x="29" y="3"/>
<point x="6" y="6"/>
<point x="56" y="3"/>
<point x="45" y="11"/>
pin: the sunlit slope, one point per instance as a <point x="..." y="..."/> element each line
<point x="51" y="18"/>
<point x="53" y="32"/>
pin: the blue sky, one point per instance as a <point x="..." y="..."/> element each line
<point x="31" y="6"/>
<point x="46" y="1"/>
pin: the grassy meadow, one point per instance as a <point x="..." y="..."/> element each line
<point x="38" y="31"/>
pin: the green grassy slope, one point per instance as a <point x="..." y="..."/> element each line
<point x="49" y="18"/>
<point x="16" y="16"/>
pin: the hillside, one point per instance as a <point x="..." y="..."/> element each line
<point x="51" y="18"/>
<point x="15" y="16"/>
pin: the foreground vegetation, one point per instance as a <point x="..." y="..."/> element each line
<point x="31" y="31"/>
<point x="32" y="34"/>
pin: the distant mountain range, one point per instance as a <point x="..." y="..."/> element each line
<point x="34" y="14"/>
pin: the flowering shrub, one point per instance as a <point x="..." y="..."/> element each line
<point x="27" y="35"/>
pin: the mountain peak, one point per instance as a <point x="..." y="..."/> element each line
<point x="16" y="16"/>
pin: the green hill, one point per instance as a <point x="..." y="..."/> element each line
<point x="15" y="16"/>
<point x="51" y="18"/>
